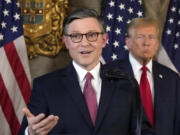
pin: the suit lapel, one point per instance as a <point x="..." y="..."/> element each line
<point x="106" y="95"/>
<point x="159" y="84"/>
<point x="75" y="91"/>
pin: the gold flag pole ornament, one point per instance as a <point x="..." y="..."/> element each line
<point x="42" y="23"/>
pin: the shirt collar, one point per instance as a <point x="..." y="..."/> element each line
<point x="81" y="72"/>
<point x="137" y="66"/>
<point x="149" y="66"/>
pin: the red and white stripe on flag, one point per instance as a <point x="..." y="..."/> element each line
<point x="15" y="85"/>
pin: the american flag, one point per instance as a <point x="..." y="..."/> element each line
<point x="169" y="53"/>
<point x="15" y="77"/>
<point x="118" y="13"/>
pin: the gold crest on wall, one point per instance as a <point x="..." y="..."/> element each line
<point x="42" y="24"/>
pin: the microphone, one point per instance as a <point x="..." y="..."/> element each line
<point x="113" y="74"/>
<point x="117" y="75"/>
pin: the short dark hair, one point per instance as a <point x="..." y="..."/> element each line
<point x="80" y="14"/>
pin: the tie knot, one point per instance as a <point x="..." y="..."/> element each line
<point x="144" y="68"/>
<point x="88" y="76"/>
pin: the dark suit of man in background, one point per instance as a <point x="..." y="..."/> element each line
<point x="57" y="104"/>
<point x="143" y="42"/>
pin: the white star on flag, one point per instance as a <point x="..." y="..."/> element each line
<point x="17" y="4"/>
<point x="173" y="9"/>
<point x="111" y="4"/>
<point x="118" y="31"/>
<point x="130" y="10"/>
<point x="128" y="21"/>
<point x="120" y="18"/>
<point x="114" y="56"/>
<point x="14" y="29"/>
<point x="171" y="20"/>
<point x="6" y="12"/>
<point x="121" y="6"/>
<point x="8" y="1"/>
<point x="110" y="16"/>
<point x="168" y="32"/>
<point x="3" y="24"/>
<point x="140" y="14"/>
<point x="16" y="16"/>
<point x="108" y="28"/>
<point x="116" y="44"/>
<point x="177" y="34"/>
<point x="140" y="2"/>
<point x="176" y="46"/>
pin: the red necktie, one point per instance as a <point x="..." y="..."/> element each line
<point x="90" y="97"/>
<point x="146" y="96"/>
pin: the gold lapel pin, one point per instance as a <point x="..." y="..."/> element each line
<point x="160" y="76"/>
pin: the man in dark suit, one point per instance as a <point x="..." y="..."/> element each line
<point x="143" y="41"/>
<point x="59" y="105"/>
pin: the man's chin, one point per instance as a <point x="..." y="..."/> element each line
<point x="146" y="59"/>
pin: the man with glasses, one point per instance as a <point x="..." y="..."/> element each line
<point x="77" y="100"/>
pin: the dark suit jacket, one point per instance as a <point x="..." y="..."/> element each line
<point x="167" y="96"/>
<point x="59" y="93"/>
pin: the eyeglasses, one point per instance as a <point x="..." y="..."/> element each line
<point x="90" y="36"/>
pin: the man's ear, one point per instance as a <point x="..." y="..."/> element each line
<point x="128" y="42"/>
<point x="64" y="38"/>
<point x="105" y="38"/>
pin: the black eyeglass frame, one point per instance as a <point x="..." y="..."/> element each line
<point x="86" y="34"/>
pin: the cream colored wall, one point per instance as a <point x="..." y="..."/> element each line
<point x="156" y="9"/>
<point x="42" y="64"/>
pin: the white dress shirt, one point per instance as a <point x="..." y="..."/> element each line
<point x="136" y="66"/>
<point x="96" y="80"/>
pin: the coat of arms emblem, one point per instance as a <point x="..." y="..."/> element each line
<point x="42" y="23"/>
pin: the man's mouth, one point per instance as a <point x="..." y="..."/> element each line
<point x="85" y="52"/>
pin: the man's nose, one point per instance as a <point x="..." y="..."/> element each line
<point x="84" y="41"/>
<point x="146" y="41"/>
